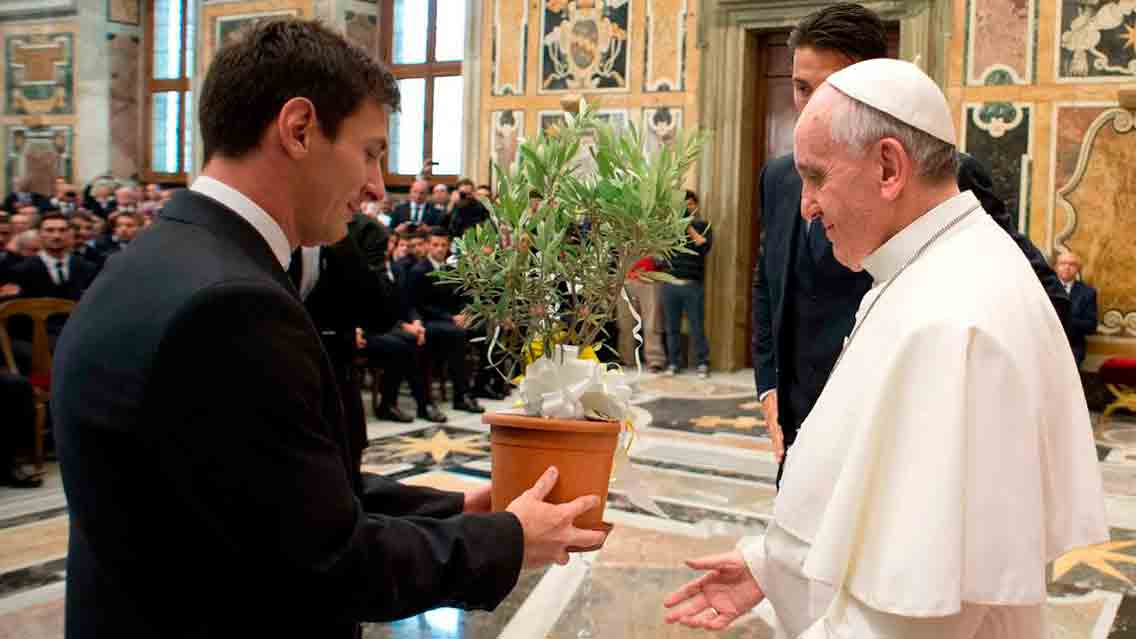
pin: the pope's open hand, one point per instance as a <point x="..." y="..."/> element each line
<point x="714" y="600"/>
<point x="548" y="527"/>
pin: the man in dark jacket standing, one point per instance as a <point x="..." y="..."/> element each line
<point x="232" y="512"/>
<point x="687" y="294"/>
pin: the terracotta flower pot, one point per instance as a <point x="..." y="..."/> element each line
<point x="524" y="447"/>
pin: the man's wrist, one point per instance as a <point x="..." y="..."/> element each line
<point x="762" y="395"/>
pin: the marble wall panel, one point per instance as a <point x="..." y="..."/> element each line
<point x="41" y="153"/>
<point x="222" y="20"/>
<point x="584" y="45"/>
<point x="510" y="47"/>
<point x="660" y="126"/>
<point x="125" y="11"/>
<point x="40" y="74"/>
<point x="507" y="128"/>
<point x="1000" y="41"/>
<point x="125" y="101"/>
<point x="362" y="29"/>
<point x="1072" y="123"/>
<point x="998" y="135"/>
<point x="1099" y="202"/>
<point x="1096" y="41"/>
<point x="664" y="49"/>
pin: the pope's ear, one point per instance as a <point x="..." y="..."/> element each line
<point x="896" y="168"/>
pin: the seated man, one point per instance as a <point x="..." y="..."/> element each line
<point x="23" y="195"/>
<point x="1083" y="303"/>
<point x="17" y="405"/>
<point x="441" y="309"/>
<point x="402" y="350"/>
<point x="124" y="228"/>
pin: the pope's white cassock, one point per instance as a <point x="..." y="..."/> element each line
<point x="949" y="458"/>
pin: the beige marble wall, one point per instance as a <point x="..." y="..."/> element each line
<point x="1092" y="216"/>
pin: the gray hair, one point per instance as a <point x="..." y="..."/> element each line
<point x="858" y="126"/>
<point x="24" y="239"/>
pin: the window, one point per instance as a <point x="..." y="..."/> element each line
<point x="423" y="42"/>
<point x="168" y="104"/>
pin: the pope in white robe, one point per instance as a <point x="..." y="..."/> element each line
<point x="950" y="456"/>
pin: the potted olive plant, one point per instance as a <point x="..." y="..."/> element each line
<point x="546" y="274"/>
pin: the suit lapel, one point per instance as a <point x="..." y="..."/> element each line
<point x="789" y="210"/>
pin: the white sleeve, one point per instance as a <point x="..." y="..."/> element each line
<point x="854" y="619"/>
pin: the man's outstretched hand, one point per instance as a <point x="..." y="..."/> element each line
<point x="714" y="600"/>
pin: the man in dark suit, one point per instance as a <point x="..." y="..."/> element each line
<point x="440" y="307"/>
<point x="371" y="238"/>
<point x="403" y="350"/>
<point x="416" y="210"/>
<point x="1083" y="303"/>
<point x="57" y="271"/>
<point x="804" y="301"/>
<point x="242" y="494"/>
<point x="22" y="195"/>
<point x="342" y="294"/>
<point x="17" y="405"/>
<point x="468" y="211"/>
<point x="124" y="230"/>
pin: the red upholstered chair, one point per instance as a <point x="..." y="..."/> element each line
<point x="1119" y="376"/>
<point x="38" y="309"/>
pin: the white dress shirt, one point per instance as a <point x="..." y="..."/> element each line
<point x="260" y="220"/>
<point x="53" y="269"/>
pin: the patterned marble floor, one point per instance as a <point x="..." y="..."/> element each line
<point x="706" y="458"/>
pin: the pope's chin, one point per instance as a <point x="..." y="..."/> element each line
<point x="847" y="261"/>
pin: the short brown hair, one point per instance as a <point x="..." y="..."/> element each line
<point x="275" y="60"/>
<point x="463" y="182"/>
<point x="52" y="215"/>
<point x="845" y="28"/>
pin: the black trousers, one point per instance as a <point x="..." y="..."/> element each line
<point x="450" y="340"/>
<point x="17" y="405"/>
<point x="400" y="357"/>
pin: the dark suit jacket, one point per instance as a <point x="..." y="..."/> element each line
<point x="840" y="290"/>
<point x="431" y="216"/>
<point x="433" y="302"/>
<point x="8" y="262"/>
<point x="348" y="294"/>
<point x="1083" y="317"/>
<point x="371" y="238"/>
<point x="107" y="246"/>
<point x="38" y="200"/>
<point x="35" y="281"/>
<point x="204" y="457"/>
<point x="401" y="269"/>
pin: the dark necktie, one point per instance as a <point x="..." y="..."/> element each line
<point x="60" y="273"/>
<point x="296" y="268"/>
<point x="417" y="213"/>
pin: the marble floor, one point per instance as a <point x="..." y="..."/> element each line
<point x="706" y="459"/>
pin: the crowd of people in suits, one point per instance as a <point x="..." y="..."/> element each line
<point x="53" y="246"/>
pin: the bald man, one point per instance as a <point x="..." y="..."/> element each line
<point x="1083" y="303"/>
<point x="416" y="210"/>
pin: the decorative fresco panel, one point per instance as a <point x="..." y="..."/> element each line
<point x="1097" y="41"/>
<point x="998" y="135"/>
<point x="507" y="130"/>
<point x="660" y="126"/>
<point x="1072" y="123"/>
<point x="41" y="153"/>
<point x="227" y="26"/>
<point x="125" y="115"/>
<point x="362" y="29"/>
<point x="1099" y="225"/>
<point x="584" y="45"/>
<point x="585" y="164"/>
<point x="510" y="46"/>
<point x="664" y="50"/>
<point x="125" y="11"/>
<point x="1001" y="36"/>
<point x="40" y="74"/>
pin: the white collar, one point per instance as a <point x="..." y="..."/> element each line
<point x="886" y="261"/>
<point x="437" y="265"/>
<point x="240" y="204"/>
<point x="49" y="260"/>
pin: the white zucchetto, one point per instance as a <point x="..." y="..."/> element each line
<point x="901" y="90"/>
